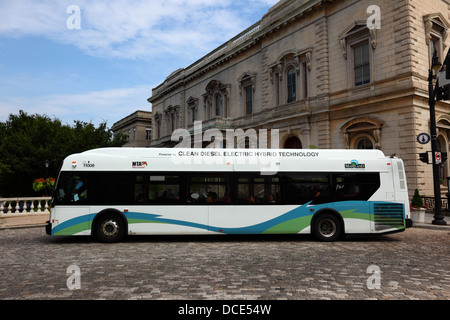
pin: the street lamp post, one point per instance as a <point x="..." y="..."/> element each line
<point x="435" y="67"/>
<point x="47" y="163"/>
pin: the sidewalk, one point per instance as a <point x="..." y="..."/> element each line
<point x="23" y="220"/>
<point x="428" y="225"/>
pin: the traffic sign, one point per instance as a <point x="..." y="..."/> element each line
<point x="423" y="138"/>
<point x="438" y="158"/>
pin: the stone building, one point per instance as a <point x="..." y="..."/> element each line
<point x="326" y="74"/>
<point x="138" y="126"/>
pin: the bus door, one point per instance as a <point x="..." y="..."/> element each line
<point x="71" y="213"/>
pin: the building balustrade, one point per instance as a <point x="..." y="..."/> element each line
<point x="429" y="203"/>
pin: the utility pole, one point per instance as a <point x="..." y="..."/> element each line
<point x="439" y="93"/>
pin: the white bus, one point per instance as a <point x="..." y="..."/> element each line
<point x="113" y="192"/>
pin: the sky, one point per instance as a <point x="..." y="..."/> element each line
<point x="98" y="60"/>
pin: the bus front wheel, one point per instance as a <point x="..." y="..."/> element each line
<point x="109" y="228"/>
<point x="327" y="227"/>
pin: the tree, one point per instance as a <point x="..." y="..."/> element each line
<point x="26" y="141"/>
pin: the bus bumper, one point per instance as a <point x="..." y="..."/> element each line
<point x="48" y="228"/>
<point x="408" y="223"/>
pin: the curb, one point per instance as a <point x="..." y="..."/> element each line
<point x="23" y="226"/>
<point x="431" y="226"/>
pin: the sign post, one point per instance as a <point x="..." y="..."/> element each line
<point x="434" y="91"/>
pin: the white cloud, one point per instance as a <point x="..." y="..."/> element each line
<point x="157" y="31"/>
<point x="134" y="28"/>
<point x="96" y="106"/>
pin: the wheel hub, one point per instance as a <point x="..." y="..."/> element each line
<point x="110" y="228"/>
<point x="327" y="228"/>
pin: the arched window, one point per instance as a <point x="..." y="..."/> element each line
<point x="172" y="118"/>
<point x="289" y="76"/>
<point x="216" y="100"/>
<point x="218" y="104"/>
<point x="362" y="133"/>
<point x="292" y="143"/>
<point x="291" y="85"/>
<point x="192" y="110"/>
<point x="364" y="143"/>
<point x="157" y="125"/>
<point x="172" y="121"/>
<point x="443" y="138"/>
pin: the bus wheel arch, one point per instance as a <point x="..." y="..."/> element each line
<point x="327" y="225"/>
<point x="109" y="226"/>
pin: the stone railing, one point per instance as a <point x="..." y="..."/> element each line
<point x="24" y="205"/>
<point x="24" y="211"/>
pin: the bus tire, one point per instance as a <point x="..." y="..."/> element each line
<point x="109" y="228"/>
<point x="327" y="227"/>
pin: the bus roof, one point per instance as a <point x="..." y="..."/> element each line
<point x="225" y="160"/>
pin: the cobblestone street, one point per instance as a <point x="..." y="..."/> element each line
<point x="413" y="265"/>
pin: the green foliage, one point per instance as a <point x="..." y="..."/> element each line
<point x="26" y="141"/>
<point x="45" y="185"/>
<point x="416" y="201"/>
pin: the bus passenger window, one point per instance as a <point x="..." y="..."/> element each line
<point x="273" y="197"/>
<point x="250" y="190"/>
<point x="157" y="189"/>
<point x="305" y="187"/>
<point x="72" y="188"/>
<point x="356" y="186"/>
<point x="351" y="190"/>
<point x="270" y="198"/>
<point x="346" y="188"/>
<point x="79" y="191"/>
<point x="208" y="189"/>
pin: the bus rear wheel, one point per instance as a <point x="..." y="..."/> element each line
<point x="327" y="227"/>
<point x="109" y="228"/>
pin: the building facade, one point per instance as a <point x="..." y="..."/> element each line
<point x="138" y="126"/>
<point x="325" y="74"/>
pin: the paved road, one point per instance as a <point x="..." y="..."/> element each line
<point x="414" y="264"/>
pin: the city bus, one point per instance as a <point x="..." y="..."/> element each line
<point x="110" y="193"/>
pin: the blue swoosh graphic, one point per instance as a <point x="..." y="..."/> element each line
<point x="298" y="212"/>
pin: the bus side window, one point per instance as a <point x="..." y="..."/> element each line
<point x="304" y="187"/>
<point x="251" y="190"/>
<point x="273" y="197"/>
<point x="72" y="187"/>
<point x="80" y="190"/>
<point x="346" y="188"/>
<point x="356" y="186"/>
<point x="157" y="189"/>
<point x="208" y="190"/>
